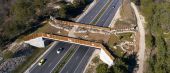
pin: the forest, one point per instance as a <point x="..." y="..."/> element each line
<point x="20" y="16"/>
<point x="157" y="16"/>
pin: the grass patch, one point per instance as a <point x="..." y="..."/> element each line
<point x="44" y="28"/>
<point x="125" y="36"/>
<point x="118" y="51"/>
<point x="113" y="40"/>
<point x="8" y="54"/>
<point x="167" y="35"/>
<point x="31" y="59"/>
<point x="95" y="60"/>
<point x="121" y="22"/>
<point x="64" y="60"/>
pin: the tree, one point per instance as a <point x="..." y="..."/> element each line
<point x="40" y="3"/>
<point x="119" y="67"/>
<point x="23" y="10"/>
<point x="62" y="12"/>
<point x="102" y="68"/>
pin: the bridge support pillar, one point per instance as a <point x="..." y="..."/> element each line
<point x="105" y="58"/>
<point x="37" y="42"/>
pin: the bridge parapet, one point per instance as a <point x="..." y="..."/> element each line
<point x="87" y="27"/>
<point x="104" y="53"/>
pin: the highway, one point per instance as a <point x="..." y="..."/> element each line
<point x="52" y="58"/>
<point x="91" y="15"/>
<point x="109" y="14"/>
<point x="80" y="56"/>
<point x="78" y="61"/>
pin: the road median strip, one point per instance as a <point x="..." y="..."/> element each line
<point x="101" y="13"/>
<point x="65" y="59"/>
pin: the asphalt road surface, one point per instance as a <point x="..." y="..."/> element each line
<point x="78" y="61"/>
<point x="91" y="15"/>
<point x="109" y="14"/>
<point x="52" y="58"/>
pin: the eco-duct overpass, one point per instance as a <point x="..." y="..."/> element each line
<point x="37" y="40"/>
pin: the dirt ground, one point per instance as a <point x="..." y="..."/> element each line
<point x="49" y="29"/>
<point x="93" y="36"/>
<point x="93" y="65"/>
<point x="127" y="17"/>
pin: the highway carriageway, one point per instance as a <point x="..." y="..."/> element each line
<point x="76" y="63"/>
<point x="109" y="14"/>
<point x="94" y="11"/>
<point x="80" y="55"/>
<point x="106" y="17"/>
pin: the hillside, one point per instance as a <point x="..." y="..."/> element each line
<point x="19" y="16"/>
<point x="157" y="15"/>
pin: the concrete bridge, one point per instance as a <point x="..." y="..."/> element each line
<point x="37" y="41"/>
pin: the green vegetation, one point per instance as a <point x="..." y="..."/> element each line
<point x="64" y="60"/>
<point x="167" y="35"/>
<point x="22" y="15"/>
<point x="125" y="36"/>
<point x="96" y="60"/>
<point x="113" y="40"/>
<point x="102" y="68"/>
<point x="122" y="65"/>
<point x="7" y="54"/>
<point x="30" y="59"/>
<point x="157" y="14"/>
<point x="121" y="22"/>
<point x="119" y="67"/>
<point x="118" y="51"/>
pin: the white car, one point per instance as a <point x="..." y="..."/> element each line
<point x="113" y="7"/>
<point x="59" y="50"/>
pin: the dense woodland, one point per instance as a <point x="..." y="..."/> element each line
<point x="157" y="15"/>
<point x="18" y="16"/>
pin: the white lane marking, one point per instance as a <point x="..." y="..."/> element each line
<point x="104" y="12"/>
<point x="115" y="12"/>
<point x="99" y="12"/>
<point x="62" y="57"/>
<point x="70" y="58"/>
<point x="49" y="64"/>
<point x="82" y="59"/>
<point x="36" y="62"/>
<point x="87" y="11"/>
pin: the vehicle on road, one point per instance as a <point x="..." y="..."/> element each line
<point x="113" y="7"/>
<point x="59" y="50"/>
<point x="42" y="61"/>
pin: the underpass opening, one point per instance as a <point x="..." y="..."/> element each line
<point x="37" y="41"/>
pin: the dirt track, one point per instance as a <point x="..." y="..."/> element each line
<point x="141" y="52"/>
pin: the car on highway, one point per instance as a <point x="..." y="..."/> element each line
<point x="113" y="7"/>
<point x="42" y="61"/>
<point x="59" y="50"/>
